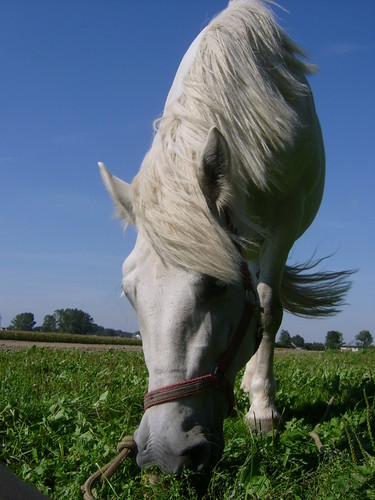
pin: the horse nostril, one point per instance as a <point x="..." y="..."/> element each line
<point x="198" y="456"/>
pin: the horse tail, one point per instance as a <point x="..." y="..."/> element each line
<point x="320" y="293"/>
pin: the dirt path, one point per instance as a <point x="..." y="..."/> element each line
<point x="26" y="344"/>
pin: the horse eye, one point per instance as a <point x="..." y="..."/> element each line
<point x="207" y="287"/>
<point x="214" y="286"/>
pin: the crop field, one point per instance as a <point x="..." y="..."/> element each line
<point x="62" y="413"/>
<point x="59" y="338"/>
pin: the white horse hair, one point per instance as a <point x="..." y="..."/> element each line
<point x="227" y="74"/>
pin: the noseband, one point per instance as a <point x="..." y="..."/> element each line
<point x="218" y="378"/>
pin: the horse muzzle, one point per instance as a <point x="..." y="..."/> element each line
<point x="171" y="438"/>
<point x="196" y="456"/>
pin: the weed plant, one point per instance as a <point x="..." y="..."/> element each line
<point x="62" y="414"/>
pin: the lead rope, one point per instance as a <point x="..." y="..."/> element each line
<point x="125" y="448"/>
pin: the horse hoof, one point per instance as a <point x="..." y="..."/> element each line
<point x="263" y="425"/>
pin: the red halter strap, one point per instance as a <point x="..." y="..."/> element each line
<point x="217" y="379"/>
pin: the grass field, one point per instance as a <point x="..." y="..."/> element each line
<point x="62" y="414"/>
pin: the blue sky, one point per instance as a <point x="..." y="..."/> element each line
<point x="82" y="81"/>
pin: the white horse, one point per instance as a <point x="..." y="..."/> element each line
<point x="235" y="171"/>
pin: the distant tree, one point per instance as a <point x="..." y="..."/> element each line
<point x="334" y="340"/>
<point x="109" y="332"/>
<point x="49" y="323"/>
<point x="97" y="330"/>
<point x="23" y="321"/>
<point x="298" y="341"/>
<point x="285" y="339"/>
<point x="315" y="346"/>
<point x="73" y="321"/>
<point x="364" y="338"/>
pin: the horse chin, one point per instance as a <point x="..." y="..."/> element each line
<point x="174" y="447"/>
<point x="196" y="458"/>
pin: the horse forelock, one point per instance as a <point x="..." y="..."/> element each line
<point x="243" y="79"/>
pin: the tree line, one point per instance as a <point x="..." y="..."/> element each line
<point x="64" y="321"/>
<point x="334" y="340"/>
<point x="80" y="322"/>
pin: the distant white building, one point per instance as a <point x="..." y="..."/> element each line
<point x="352" y="348"/>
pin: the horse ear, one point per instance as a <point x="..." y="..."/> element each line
<point x="120" y="193"/>
<point x="214" y="169"/>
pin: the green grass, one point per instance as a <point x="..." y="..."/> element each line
<point x="62" y="414"/>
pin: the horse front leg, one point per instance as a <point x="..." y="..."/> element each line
<point x="259" y="380"/>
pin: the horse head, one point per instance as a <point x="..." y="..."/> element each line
<point x="197" y="332"/>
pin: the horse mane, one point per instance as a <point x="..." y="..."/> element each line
<point x="244" y="77"/>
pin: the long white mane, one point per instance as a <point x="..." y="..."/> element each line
<point x="244" y="79"/>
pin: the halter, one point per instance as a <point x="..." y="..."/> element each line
<point x="218" y="378"/>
